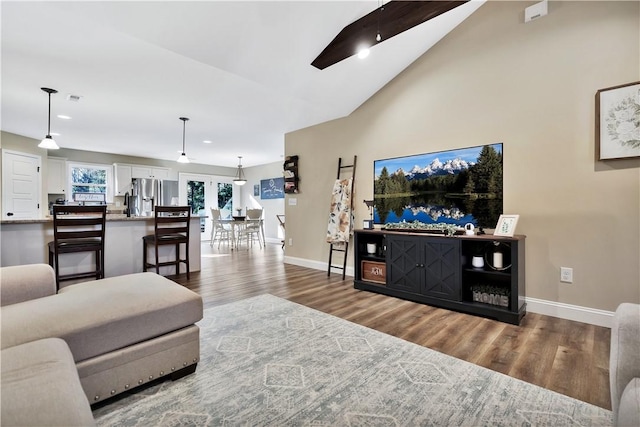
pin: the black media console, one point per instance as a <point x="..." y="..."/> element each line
<point x="439" y="271"/>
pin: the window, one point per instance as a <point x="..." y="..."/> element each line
<point x="90" y="178"/>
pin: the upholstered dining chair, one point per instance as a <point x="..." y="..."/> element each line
<point x="78" y="229"/>
<point x="219" y="230"/>
<point x="171" y="228"/>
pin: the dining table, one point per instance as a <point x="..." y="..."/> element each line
<point x="236" y="223"/>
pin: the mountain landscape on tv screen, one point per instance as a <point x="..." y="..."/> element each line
<point x="436" y="167"/>
<point x="455" y="187"/>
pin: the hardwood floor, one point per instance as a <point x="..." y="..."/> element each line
<point x="568" y="357"/>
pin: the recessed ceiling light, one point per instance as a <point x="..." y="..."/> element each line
<point x="207" y="141"/>
<point x="363" y="53"/>
<point x="62" y="116"/>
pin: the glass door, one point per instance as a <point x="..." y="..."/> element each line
<point x="203" y="192"/>
<point x="196" y="200"/>
<point x="225" y="199"/>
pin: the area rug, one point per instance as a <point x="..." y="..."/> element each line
<point x="266" y="361"/>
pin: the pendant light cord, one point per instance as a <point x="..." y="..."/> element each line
<point x="49" y="117"/>
<point x="184" y="127"/>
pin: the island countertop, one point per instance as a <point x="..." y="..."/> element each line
<point x="110" y="217"/>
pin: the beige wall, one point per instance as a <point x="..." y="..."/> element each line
<point x="532" y="87"/>
<point x="30" y="145"/>
<point x="254" y="174"/>
<point x="27" y="145"/>
<point x="271" y="207"/>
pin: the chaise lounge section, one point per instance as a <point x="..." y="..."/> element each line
<point x="121" y="332"/>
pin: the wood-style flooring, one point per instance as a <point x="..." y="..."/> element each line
<point x="568" y="357"/>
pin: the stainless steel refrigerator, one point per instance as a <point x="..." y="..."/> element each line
<point x="147" y="193"/>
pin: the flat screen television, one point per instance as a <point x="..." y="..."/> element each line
<point x="456" y="187"/>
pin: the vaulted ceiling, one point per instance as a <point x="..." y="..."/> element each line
<point x="241" y="71"/>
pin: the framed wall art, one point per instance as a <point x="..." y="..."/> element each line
<point x="618" y="122"/>
<point x="272" y="188"/>
<point x="506" y="225"/>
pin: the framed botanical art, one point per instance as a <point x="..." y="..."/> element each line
<point x="618" y="122"/>
<point x="506" y="225"/>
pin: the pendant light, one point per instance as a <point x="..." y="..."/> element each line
<point x="183" y="157"/>
<point x="240" y="179"/>
<point x="48" y="142"/>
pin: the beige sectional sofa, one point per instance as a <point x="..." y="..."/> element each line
<point x="121" y="332"/>
<point x="624" y="365"/>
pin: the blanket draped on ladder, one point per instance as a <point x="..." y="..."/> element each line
<point x="340" y="215"/>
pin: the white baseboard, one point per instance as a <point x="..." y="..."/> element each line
<point x="592" y="316"/>
<point x="316" y="265"/>
<point x="577" y="313"/>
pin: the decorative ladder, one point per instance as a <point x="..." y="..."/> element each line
<point x="333" y="249"/>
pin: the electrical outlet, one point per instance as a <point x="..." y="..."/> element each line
<point x="566" y="274"/>
<point x="290" y="241"/>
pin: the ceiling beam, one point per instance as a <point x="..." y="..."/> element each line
<point x="391" y="19"/>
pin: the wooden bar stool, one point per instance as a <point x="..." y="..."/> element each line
<point x="78" y="229"/>
<point x="171" y="228"/>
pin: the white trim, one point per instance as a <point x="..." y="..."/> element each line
<point x="592" y="316"/>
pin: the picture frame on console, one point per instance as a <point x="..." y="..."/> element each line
<point x="617" y="124"/>
<point x="506" y="226"/>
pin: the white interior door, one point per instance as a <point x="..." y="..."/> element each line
<point x="20" y="185"/>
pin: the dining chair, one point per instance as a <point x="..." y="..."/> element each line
<point x="78" y="229"/>
<point x="219" y="230"/>
<point x="171" y="227"/>
<point x="252" y="227"/>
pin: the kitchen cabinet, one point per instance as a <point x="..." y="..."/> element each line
<point x="56" y="176"/>
<point x="150" y="172"/>
<point x="438" y="270"/>
<point x="123" y="179"/>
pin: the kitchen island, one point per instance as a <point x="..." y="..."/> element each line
<point x="25" y="241"/>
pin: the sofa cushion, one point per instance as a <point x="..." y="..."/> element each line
<point x="624" y="358"/>
<point x="26" y="282"/>
<point x="40" y="386"/>
<point x="629" y="410"/>
<point x="100" y="316"/>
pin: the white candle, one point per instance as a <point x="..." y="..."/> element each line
<point x="497" y="260"/>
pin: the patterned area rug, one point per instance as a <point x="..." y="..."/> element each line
<point x="266" y="361"/>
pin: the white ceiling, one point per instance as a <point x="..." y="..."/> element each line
<point x="239" y="70"/>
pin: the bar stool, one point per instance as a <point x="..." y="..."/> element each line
<point x="78" y="229"/>
<point x="171" y="228"/>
